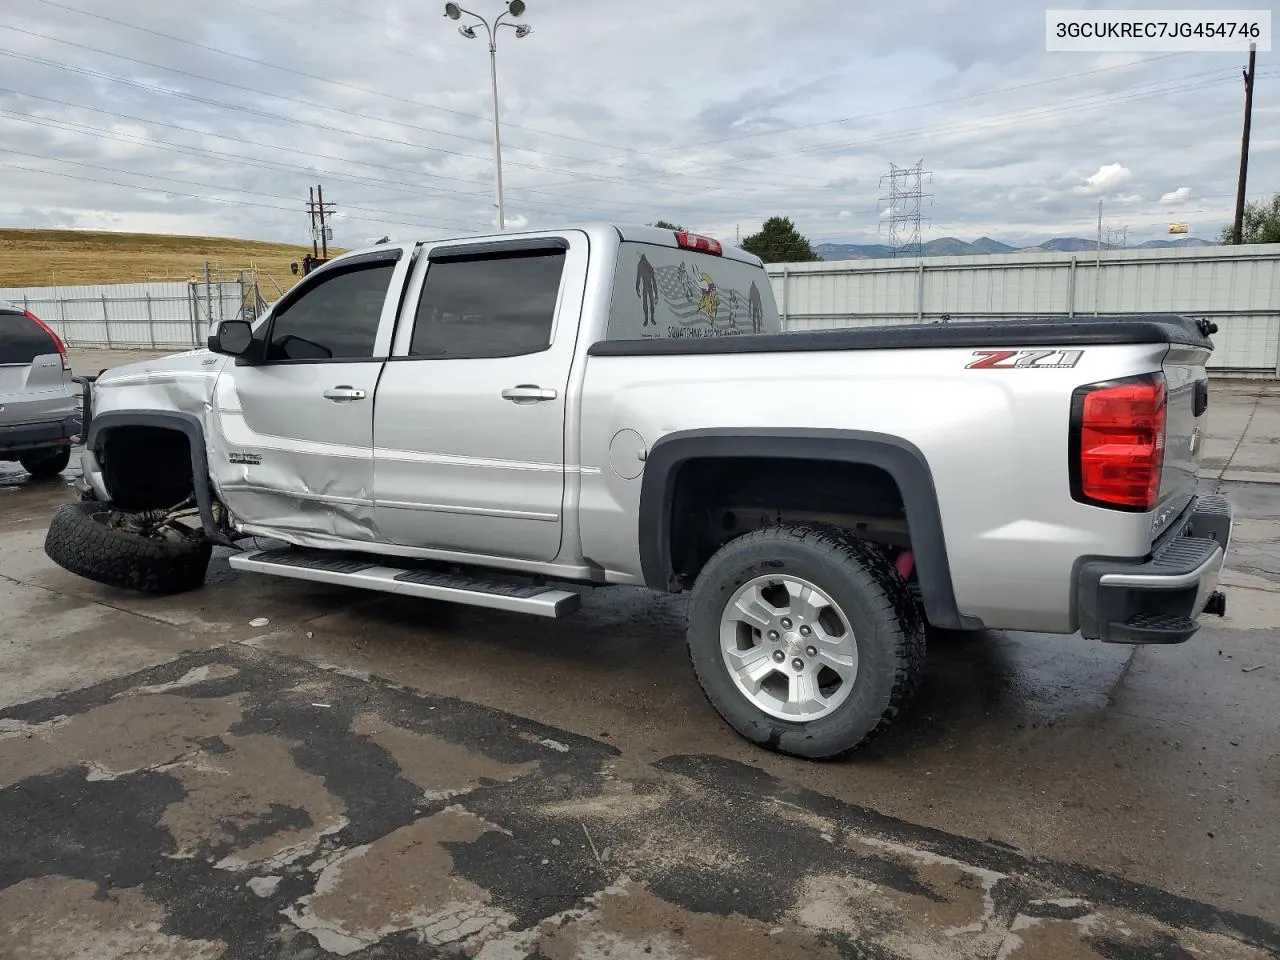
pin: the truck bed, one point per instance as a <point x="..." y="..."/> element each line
<point x="1031" y="332"/>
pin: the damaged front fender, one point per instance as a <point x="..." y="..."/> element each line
<point x="171" y="393"/>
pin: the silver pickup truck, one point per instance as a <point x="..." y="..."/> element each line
<point x="507" y="421"/>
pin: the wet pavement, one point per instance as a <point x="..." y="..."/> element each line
<point x="370" y="776"/>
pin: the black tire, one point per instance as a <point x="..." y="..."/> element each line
<point x="78" y="540"/>
<point x="46" y="464"/>
<point x="886" y="622"/>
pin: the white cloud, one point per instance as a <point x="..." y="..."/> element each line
<point x="1177" y="196"/>
<point x="1108" y="178"/>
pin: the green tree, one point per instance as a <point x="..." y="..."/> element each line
<point x="779" y="242"/>
<point x="1261" y="222"/>
<point x="666" y="225"/>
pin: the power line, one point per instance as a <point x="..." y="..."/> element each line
<point x="310" y="76"/>
<point x="1188" y="82"/>
<point x="1073" y="105"/>
<point x="380" y="93"/>
<point x="384" y="46"/>
<point x="189" y="150"/>
<point x="195" y="196"/>
<point x="302" y="73"/>
<point x="404" y="187"/>
<point x="893" y="111"/>
<point x="251" y="193"/>
<point x="240" y="159"/>
<point x="163" y="91"/>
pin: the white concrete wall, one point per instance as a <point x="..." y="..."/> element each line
<point x="130" y="315"/>
<point x="1236" y="287"/>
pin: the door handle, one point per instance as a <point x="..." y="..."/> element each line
<point x="527" y="393"/>
<point x="343" y="394"/>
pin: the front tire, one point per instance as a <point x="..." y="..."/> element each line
<point x="805" y="639"/>
<point x="46" y="464"/>
<point x="84" y="539"/>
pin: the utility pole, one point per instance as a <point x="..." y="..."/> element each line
<point x="208" y="297"/>
<point x="311" y="213"/>
<point x="324" y="239"/>
<point x="1097" y="263"/>
<point x="317" y="211"/>
<point x="1237" y="228"/>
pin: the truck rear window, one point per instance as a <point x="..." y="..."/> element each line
<point x="22" y="339"/>
<point x="667" y="292"/>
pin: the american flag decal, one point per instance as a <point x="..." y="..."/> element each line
<point x="681" y="291"/>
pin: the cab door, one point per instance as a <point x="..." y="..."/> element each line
<point x="296" y="421"/>
<point x="469" y="425"/>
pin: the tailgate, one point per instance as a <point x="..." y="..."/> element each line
<point x="35" y="386"/>
<point x="1186" y="421"/>
<point x="23" y="401"/>
<point x="43" y="372"/>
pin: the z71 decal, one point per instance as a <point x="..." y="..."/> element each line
<point x="1023" y="359"/>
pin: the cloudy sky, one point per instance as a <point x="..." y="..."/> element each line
<point x="215" y="117"/>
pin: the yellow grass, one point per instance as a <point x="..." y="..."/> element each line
<point x="38" y="258"/>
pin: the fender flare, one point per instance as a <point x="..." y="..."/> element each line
<point x="897" y="457"/>
<point x="187" y="424"/>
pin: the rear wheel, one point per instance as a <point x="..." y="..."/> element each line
<point x="136" y="551"/>
<point x="46" y="464"/>
<point x="805" y="639"/>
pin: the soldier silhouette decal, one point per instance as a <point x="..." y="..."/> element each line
<point x="756" y="308"/>
<point x="646" y="289"/>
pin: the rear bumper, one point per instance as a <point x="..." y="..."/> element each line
<point x="24" y="437"/>
<point x="1161" y="599"/>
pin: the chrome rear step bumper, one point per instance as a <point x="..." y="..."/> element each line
<point x="1161" y="599"/>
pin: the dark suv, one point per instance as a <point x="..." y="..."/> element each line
<point x="39" y="412"/>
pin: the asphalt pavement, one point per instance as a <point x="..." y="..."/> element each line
<point x="369" y="776"/>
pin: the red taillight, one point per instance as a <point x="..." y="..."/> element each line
<point x="692" y="241"/>
<point x="1118" y="443"/>
<point x="57" y="340"/>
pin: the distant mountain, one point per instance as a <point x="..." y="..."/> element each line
<point x="987" y="245"/>
<point x="1180" y="242"/>
<point x="952" y="247"/>
<point x="852" y="251"/>
<point x="946" y="247"/>
<point x="1067" y="245"/>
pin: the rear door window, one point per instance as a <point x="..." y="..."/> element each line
<point x="670" y="292"/>
<point x="497" y="305"/>
<point x="22" y="339"/>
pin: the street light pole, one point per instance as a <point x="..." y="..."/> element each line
<point x="515" y="8"/>
<point x="497" y="139"/>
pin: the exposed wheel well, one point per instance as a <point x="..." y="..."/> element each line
<point x="146" y="467"/>
<point x="717" y="499"/>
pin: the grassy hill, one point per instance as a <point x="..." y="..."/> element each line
<point x="37" y="258"/>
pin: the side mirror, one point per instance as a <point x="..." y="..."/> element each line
<point x="234" y="337"/>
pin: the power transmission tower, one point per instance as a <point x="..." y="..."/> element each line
<point x="321" y="233"/>
<point x="1118" y="237"/>
<point x="905" y="199"/>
